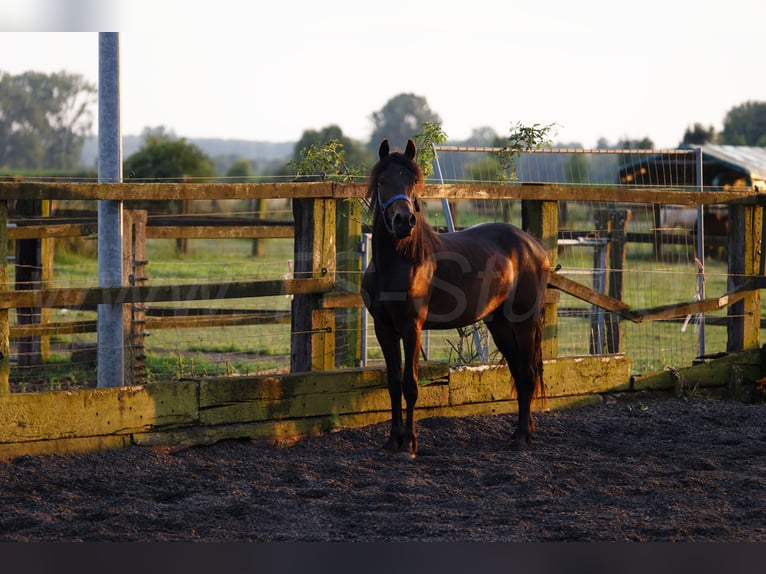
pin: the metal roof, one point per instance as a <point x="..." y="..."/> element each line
<point x="722" y="165"/>
<point x="749" y="160"/>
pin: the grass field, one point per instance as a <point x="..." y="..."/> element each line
<point x="173" y="353"/>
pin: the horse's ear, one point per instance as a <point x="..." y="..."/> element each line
<point x="410" y="151"/>
<point x="383" y="149"/>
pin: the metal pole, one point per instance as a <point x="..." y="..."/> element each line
<point x="364" y="249"/>
<point x="700" y="253"/>
<point x="110" y="331"/>
<point x="482" y="350"/>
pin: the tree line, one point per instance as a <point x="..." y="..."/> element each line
<point x="45" y="118"/>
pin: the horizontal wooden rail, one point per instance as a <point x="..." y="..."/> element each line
<point x="86" y="297"/>
<point x="214" y="232"/>
<point x="660" y="313"/>
<point x="263" y="317"/>
<point x="334" y="190"/>
<point x="52" y="329"/>
<point x="52" y="230"/>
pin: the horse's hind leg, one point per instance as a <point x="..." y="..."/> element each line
<point x="520" y="345"/>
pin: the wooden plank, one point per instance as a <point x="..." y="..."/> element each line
<point x="542" y="221"/>
<point x="558" y="281"/>
<point x="164" y="191"/>
<point x="228" y="390"/>
<point x="348" y="260"/>
<point x="280" y="433"/>
<point x="683" y="309"/>
<point x="221" y="191"/>
<point x="95" y="412"/>
<point x="222" y="320"/>
<point x="323" y="320"/>
<point x="744" y="243"/>
<point x="85" y="297"/>
<point x="286" y="432"/>
<point x="713" y="373"/>
<point x="228" y="232"/>
<point x="341" y="301"/>
<point x="568" y="376"/>
<point x="556" y="192"/>
<point x="5" y="346"/>
<point x="655" y="313"/>
<point x="319" y="404"/>
<point x="564" y="376"/>
<point x="312" y="340"/>
<point x="52" y="329"/>
<point x="752" y="303"/>
<point x="52" y="230"/>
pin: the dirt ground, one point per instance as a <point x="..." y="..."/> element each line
<point x="638" y="469"/>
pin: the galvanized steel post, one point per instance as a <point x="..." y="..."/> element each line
<point x="110" y="327"/>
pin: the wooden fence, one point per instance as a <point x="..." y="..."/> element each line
<point x="320" y="296"/>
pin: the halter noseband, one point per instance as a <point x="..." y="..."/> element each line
<point x="384" y="206"/>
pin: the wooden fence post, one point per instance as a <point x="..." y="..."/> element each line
<point x="312" y="341"/>
<point x="744" y="317"/>
<point x="348" y="321"/>
<point x="541" y="219"/>
<point x="5" y="327"/>
<point x="258" y="207"/>
<point x="30" y="261"/>
<point x="612" y="224"/>
<point x="658" y="231"/>
<point x="134" y="314"/>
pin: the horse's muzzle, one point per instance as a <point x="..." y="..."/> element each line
<point x="402" y="224"/>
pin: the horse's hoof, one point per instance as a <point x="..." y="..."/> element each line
<point x="521" y="445"/>
<point x="406" y="454"/>
<point x="392" y="445"/>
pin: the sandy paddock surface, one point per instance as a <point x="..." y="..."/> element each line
<point x="630" y="469"/>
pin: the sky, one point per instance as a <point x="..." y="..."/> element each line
<point x="270" y="70"/>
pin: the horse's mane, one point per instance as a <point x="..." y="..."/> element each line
<point x="423" y="241"/>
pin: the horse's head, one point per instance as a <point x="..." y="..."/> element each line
<point x="392" y="186"/>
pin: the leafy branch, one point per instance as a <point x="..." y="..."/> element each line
<point x="523" y="139"/>
<point x="325" y="158"/>
<point x="425" y="141"/>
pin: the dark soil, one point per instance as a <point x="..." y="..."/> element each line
<point x="656" y="469"/>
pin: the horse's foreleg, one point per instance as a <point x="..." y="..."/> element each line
<point x="410" y="388"/>
<point x="390" y="345"/>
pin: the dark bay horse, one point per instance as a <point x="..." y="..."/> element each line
<point x="420" y="279"/>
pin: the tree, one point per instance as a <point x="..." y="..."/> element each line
<point x="483" y="136"/>
<point x="645" y="143"/>
<point x="400" y="119"/>
<point x="240" y="169"/>
<point x="699" y="135"/>
<point x="355" y="155"/>
<point x="166" y="158"/>
<point x="44" y="119"/>
<point x="745" y="125"/>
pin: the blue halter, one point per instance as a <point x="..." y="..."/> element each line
<point x="384" y="206"/>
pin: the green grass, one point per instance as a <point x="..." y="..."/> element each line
<point x="173" y="353"/>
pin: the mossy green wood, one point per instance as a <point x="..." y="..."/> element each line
<point x="562" y="377"/>
<point x="5" y="345"/>
<point x="715" y="373"/>
<point x="96" y="412"/>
